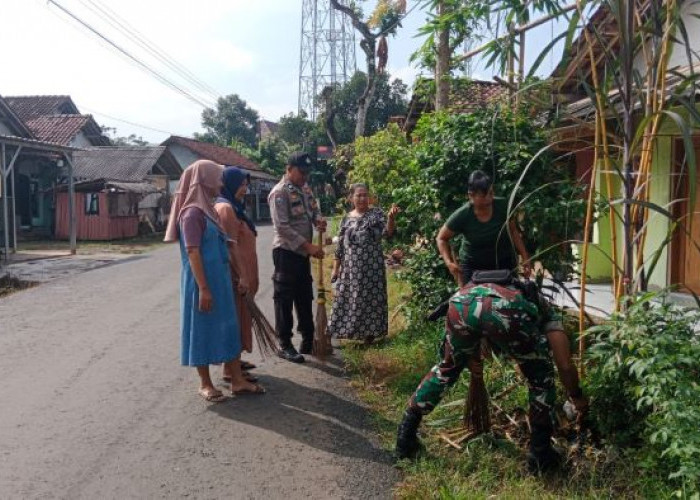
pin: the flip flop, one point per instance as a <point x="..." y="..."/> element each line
<point x="246" y="365"/>
<point x="250" y="378"/>
<point x="214" y="396"/>
<point x="258" y="391"/>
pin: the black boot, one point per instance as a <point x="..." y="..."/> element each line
<point x="542" y="457"/>
<point x="407" y="443"/>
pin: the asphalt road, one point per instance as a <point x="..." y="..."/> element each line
<point x="94" y="403"/>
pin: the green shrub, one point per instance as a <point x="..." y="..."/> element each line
<point x="644" y="382"/>
<point x="447" y="149"/>
<point x="382" y="161"/>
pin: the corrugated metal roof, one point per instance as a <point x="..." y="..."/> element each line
<point x="118" y="163"/>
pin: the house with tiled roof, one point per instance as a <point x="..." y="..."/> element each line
<point x="186" y="151"/>
<point x="466" y="96"/>
<point x="29" y="171"/>
<point x="57" y="119"/>
<point x="119" y="189"/>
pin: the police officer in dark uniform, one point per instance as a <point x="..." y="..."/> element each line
<point x="294" y="214"/>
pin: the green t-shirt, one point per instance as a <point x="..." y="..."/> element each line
<point x="485" y="245"/>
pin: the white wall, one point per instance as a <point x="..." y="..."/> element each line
<point x="4" y="130"/>
<point x="184" y="156"/>
<point x="80" y="141"/>
<point x="678" y="56"/>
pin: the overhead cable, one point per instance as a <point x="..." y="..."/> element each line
<point x="139" y="39"/>
<point x="142" y="65"/>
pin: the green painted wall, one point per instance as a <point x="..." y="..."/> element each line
<point x="659" y="224"/>
<point x="599" y="268"/>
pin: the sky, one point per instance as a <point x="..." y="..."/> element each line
<point x="245" y="47"/>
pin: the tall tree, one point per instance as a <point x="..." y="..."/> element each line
<point x="453" y="23"/>
<point x="389" y="99"/>
<point x="130" y="140"/>
<point x="232" y="120"/>
<point x="385" y="20"/>
<point x="300" y="131"/>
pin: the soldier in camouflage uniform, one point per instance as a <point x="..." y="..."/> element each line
<point x="513" y="325"/>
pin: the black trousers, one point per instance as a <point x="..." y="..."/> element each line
<point x="293" y="289"/>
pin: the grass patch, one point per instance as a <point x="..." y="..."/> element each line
<point x="136" y="245"/>
<point x="10" y="284"/>
<point x="492" y="465"/>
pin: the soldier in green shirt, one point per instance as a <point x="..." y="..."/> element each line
<point x="489" y="237"/>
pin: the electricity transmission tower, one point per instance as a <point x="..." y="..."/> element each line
<point x="327" y="52"/>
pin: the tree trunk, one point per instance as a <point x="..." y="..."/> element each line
<point x="442" y="66"/>
<point x="368" y="46"/>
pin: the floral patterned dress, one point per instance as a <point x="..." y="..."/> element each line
<point x="360" y="307"/>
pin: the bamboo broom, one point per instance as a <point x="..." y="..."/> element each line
<point x="322" y="341"/>
<point x="477" y="418"/>
<point x="265" y="334"/>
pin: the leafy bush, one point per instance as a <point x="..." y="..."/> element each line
<point x="447" y="149"/>
<point x="382" y="161"/>
<point x="644" y="381"/>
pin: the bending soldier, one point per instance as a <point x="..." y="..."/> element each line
<point x="515" y="326"/>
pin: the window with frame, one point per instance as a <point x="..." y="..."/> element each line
<point x="92" y="204"/>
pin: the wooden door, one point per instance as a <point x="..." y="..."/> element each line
<point x="691" y="275"/>
<point x="685" y="249"/>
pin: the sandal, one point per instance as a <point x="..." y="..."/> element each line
<point x="257" y="390"/>
<point x="246" y="375"/>
<point x="247" y="365"/>
<point x="212" y="395"/>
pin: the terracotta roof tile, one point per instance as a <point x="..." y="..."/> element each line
<point x="466" y="95"/>
<point x="60" y="129"/>
<point x="33" y="106"/>
<point x="12" y="121"/>
<point x="214" y="152"/>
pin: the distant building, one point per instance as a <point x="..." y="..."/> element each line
<point x="267" y="129"/>
<point x="186" y="151"/>
<point x="119" y="188"/>
<point x="466" y="96"/>
<point x="29" y="170"/>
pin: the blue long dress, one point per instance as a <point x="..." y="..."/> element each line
<point x="213" y="337"/>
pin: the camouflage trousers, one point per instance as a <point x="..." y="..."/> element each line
<point x="528" y="347"/>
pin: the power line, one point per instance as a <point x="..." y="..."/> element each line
<point x="165" y="81"/>
<point x="128" y="122"/>
<point x="139" y="39"/>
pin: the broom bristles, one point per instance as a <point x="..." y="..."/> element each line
<point x="476" y="411"/>
<point x="322" y="341"/>
<point x="265" y="334"/>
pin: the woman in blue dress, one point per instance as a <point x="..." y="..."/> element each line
<point x="210" y="331"/>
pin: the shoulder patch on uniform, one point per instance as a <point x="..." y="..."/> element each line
<point x="279" y="199"/>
